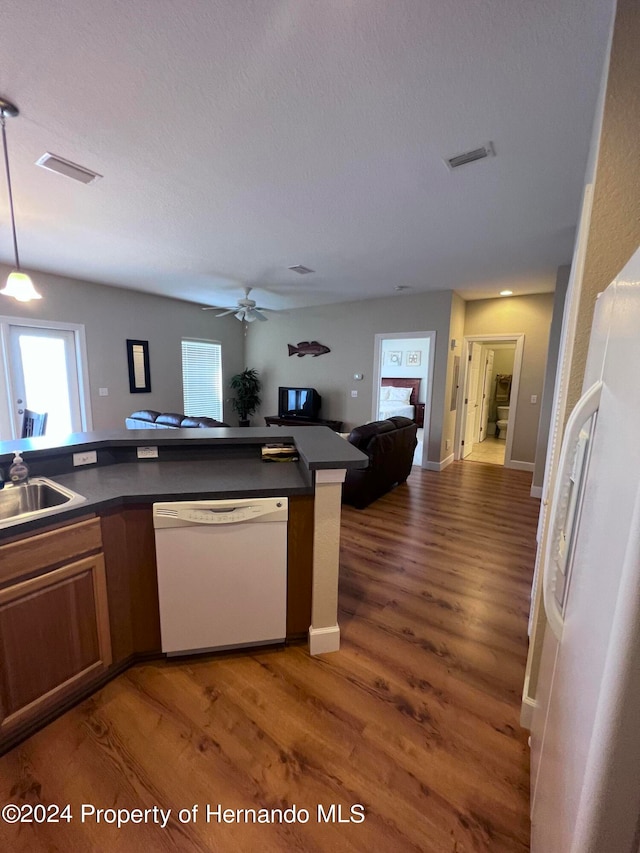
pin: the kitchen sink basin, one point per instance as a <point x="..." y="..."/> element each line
<point x="39" y="496"/>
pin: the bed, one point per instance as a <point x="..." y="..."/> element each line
<point x="398" y="396"/>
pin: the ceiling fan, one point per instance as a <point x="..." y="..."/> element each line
<point x="246" y="309"/>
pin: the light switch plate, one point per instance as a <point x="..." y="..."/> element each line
<point x="354" y="393"/>
<point x="103" y="392"/>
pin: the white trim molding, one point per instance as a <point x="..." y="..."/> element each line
<point x="536" y="492"/>
<point x="439" y="466"/>
<point x="520" y="466"/>
<point x="323" y="640"/>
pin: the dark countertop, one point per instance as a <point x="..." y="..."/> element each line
<point x="193" y="464"/>
<point x="318" y="447"/>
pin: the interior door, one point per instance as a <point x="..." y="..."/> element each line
<point x="486" y="395"/>
<point x="471" y="398"/>
<point x="43" y="377"/>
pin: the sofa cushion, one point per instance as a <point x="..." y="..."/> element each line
<point x="203" y="423"/>
<point x="170" y="419"/>
<point x="145" y="415"/>
<point x="401" y="421"/>
<point x="361" y="436"/>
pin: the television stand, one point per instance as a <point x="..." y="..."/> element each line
<point x="274" y="420"/>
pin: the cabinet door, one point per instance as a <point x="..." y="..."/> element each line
<point x="54" y="636"/>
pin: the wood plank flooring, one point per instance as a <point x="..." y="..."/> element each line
<point x="416" y="718"/>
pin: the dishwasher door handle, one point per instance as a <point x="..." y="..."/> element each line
<point x="225" y="515"/>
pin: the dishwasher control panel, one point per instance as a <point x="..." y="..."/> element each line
<point x="183" y="513"/>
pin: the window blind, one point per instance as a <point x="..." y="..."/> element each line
<point x="202" y="378"/>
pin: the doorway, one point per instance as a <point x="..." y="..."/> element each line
<point x="487" y="415"/>
<point x="405" y="356"/>
<point x="45" y="372"/>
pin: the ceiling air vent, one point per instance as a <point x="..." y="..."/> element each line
<point x="481" y="153"/>
<point x="68" y="169"/>
<point x="302" y="270"/>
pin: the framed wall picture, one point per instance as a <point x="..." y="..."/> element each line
<point x="414" y="358"/>
<point x="139" y="373"/>
<point x="394" y="358"/>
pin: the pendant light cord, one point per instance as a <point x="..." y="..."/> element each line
<point x="6" y="165"/>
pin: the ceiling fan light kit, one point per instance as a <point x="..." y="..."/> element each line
<point x="246" y="310"/>
<point x="19" y="285"/>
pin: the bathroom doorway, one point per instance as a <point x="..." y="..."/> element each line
<point x="487" y="414"/>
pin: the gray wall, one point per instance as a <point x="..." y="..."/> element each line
<point x="530" y="315"/>
<point x="110" y="316"/>
<point x="349" y="329"/>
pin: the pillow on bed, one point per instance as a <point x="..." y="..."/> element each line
<point x="399" y="395"/>
<point x="384" y="392"/>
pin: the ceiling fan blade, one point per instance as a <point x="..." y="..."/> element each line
<point x="254" y="314"/>
<point x="224" y="313"/>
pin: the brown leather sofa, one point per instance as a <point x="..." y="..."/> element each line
<point x="389" y="445"/>
<point x="150" y="419"/>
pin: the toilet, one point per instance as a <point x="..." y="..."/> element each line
<point x="503" y="421"/>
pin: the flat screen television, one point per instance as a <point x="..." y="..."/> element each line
<point x="303" y="403"/>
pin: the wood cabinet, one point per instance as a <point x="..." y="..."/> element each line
<point x="132" y="582"/>
<point x="54" y="623"/>
<point x="79" y="603"/>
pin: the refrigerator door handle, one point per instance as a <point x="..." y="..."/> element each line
<point x="585" y="408"/>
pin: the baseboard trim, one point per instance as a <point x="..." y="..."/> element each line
<point x="520" y="466"/>
<point x="439" y="466"/>
<point x="536" y="492"/>
<point x="323" y="640"/>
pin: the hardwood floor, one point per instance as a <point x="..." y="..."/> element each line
<point x="416" y="718"/>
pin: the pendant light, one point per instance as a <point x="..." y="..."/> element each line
<point x="18" y="285"/>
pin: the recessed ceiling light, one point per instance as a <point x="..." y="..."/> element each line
<point x="301" y="269"/>
<point x="506" y="293"/>
<point x="65" y="167"/>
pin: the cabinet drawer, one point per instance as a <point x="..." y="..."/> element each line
<point x="47" y="550"/>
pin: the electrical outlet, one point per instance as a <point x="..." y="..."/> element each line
<point x="447" y="444"/>
<point x="147" y="452"/>
<point x="534" y="399"/>
<point x="103" y="392"/>
<point x="89" y="457"/>
<point x="354" y="393"/>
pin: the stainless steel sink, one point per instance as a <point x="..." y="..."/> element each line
<point x="39" y="496"/>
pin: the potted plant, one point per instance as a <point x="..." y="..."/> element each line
<point x="247" y="386"/>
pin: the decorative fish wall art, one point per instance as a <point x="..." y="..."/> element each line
<point x="308" y="348"/>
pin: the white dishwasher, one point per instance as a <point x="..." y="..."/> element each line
<point x="222" y="573"/>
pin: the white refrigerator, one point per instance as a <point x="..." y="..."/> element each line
<point x="585" y="736"/>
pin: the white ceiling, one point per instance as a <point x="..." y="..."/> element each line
<point x="239" y="137"/>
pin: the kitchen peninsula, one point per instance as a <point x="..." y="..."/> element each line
<point x="78" y="585"/>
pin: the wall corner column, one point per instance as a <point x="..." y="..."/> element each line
<point x="324" y="631"/>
